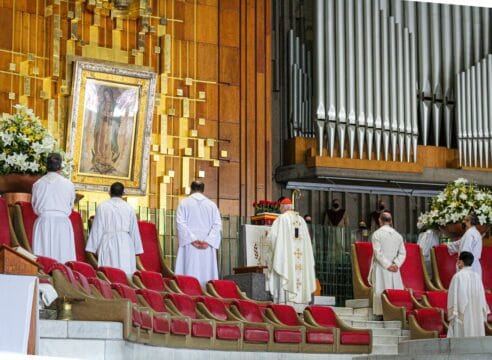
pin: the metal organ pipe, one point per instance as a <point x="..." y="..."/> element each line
<point x="319" y="80"/>
<point x="330" y="73"/>
<point x="376" y="43"/>
<point x="359" y="54"/>
<point x="350" y="47"/>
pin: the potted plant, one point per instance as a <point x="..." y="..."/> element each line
<point x="265" y="212"/>
<point x="458" y="199"/>
<point x="24" y="147"/>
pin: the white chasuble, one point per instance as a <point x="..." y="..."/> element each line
<point x="52" y="200"/>
<point x="471" y="241"/>
<point x="291" y="275"/>
<point x="388" y="249"/>
<point x="114" y="235"/>
<point x="198" y="218"/>
<point x="467" y="307"/>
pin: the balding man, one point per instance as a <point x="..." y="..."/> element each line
<point x="389" y="254"/>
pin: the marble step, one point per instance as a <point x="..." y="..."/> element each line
<point x="369" y="324"/>
<point x="389" y="331"/>
<point x="386" y="339"/>
<point x="357" y="303"/>
<point x="424" y="357"/>
<point x="384" y="349"/>
<point x="353" y="318"/>
<point x="343" y="311"/>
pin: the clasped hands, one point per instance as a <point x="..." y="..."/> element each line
<point x="393" y="268"/>
<point x="199" y="244"/>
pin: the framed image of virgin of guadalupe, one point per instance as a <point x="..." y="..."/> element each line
<point x="111" y="125"/>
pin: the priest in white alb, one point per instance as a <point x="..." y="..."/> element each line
<point x="471" y="241"/>
<point x="388" y="256"/>
<point x="53" y="197"/>
<point x="114" y="234"/>
<point x="467" y="306"/>
<point x="291" y="275"/>
<point x="199" y="226"/>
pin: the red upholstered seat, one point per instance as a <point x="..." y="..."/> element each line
<point x="114" y="275"/>
<point x="189" y="285"/>
<point x="227" y="289"/>
<point x="82" y="267"/>
<point x="125" y="292"/>
<point x="446" y="264"/>
<point x="364" y="256"/>
<point x="102" y="287"/>
<point x="430" y="319"/>
<point x="438" y="299"/>
<point x="83" y="282"/>
<point x="151" y="258"/>
<point x="486" y="262"/>
<point x="354" y="338"/>
<point x="67" y="272"/>
<point x="249" y="310"/>
<point x="186" y="306"/>
<point x="400" y="298"/>
<point x="488" y="298"/>
<point x="151" y="280"/>
<point x="79" y="237"/>
<point x="412" y="270"/>
<point x="141" y="318"/>
<point x="216" y="307"/>
<point x="5" y="236"/>
<point x="28" y="218"/>
<point x="45" y="263"/>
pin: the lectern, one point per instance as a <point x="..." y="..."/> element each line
<point x="13" y="263"/>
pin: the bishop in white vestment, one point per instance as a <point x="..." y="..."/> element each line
<point x="53" y="197"/>
<point x="114" y="234"/>
<point x="199" y="226"/>
<point x="467" y="306"/>
<point x="291" y="275"/>
<point x="388" y="256"/>
<point x="471" y="241"/>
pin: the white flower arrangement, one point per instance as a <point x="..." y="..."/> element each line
<point x="458" y="199"/>
<point x="25" y="144"/>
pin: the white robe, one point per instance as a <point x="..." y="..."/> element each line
<point x="388" y="248"/>
<point x="53" y="197"/>
<point x="427" y="240"/>
<point x="114" y="235"/>
<point x="198" y="218"/>
<point x="291" y="275"/>
<point x="471" y="241"/>
<point x="467" y="307"/>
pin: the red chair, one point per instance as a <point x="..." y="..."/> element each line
<point x="361" y="265"/>
<point x="82" y="267"/>
<point x="413" y="272"/>
<point x="7" y="234"/>
<point x="152" y="259"/>
<point x="398" y="304"/>
<point x="438" y="300"/>
<point x="486" y="262"/>
<point x="228" y="290"/>
<point x="285" y="338"/>
<point x="79" y="240"/>
<point x="24" y="218"/>
<point x="427" y="324"/>
<point x="349" y="339"/>
<point x="46" y="263"/>
<point x="314" y="338"/>
<point x="114" y="276"/>
<point x="188" y="285"/>
<point x="203" y="331"/>
<point x="150" y="280"/>
<point x="443" y="266"/>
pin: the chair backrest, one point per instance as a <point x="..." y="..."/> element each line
<point x="486" y="262"/>
<point x="125" y="292"/>
<point x="82" y="267"/>
<point x="226" y="289"/>
<point x="400" y="298"/>
<point x="215" y="306"/>
<point x="445" y="263"/>
<point x="438" y="299"/>
<point x="154" y="299"/>
<point x="102" y="287"/>
<point x="188" y="285"/>
<point x="5" y="236"/>
<point x="114" y="275"/>
<point x="45" y="262"/>
<point x="82" y="280"/>
<point x="285" y="313"/>
<point x="28" y="218"/>
<point x="429" y="319"/>
<point x="249" y="310"/>
<point x="364" y="253"/>
<point x="78" y="236"/>
<point x="151" y="280"/>
<point x="67" y="272"/>
<point x="323" y="315"/>
<point x="412" y="270"/>
<point x="184" y="304"/>
<point x="151" y="257"/>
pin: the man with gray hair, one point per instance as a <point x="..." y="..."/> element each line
<point x="53" y="197"/>
<point x="388" y="256"/>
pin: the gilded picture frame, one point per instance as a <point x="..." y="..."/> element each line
<point x="109" y="135"/>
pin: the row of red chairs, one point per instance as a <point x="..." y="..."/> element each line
<point x="162" y="317"/>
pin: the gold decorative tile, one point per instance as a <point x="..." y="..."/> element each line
<point x="201" y="173"/>
<point x="201" y="121"/>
